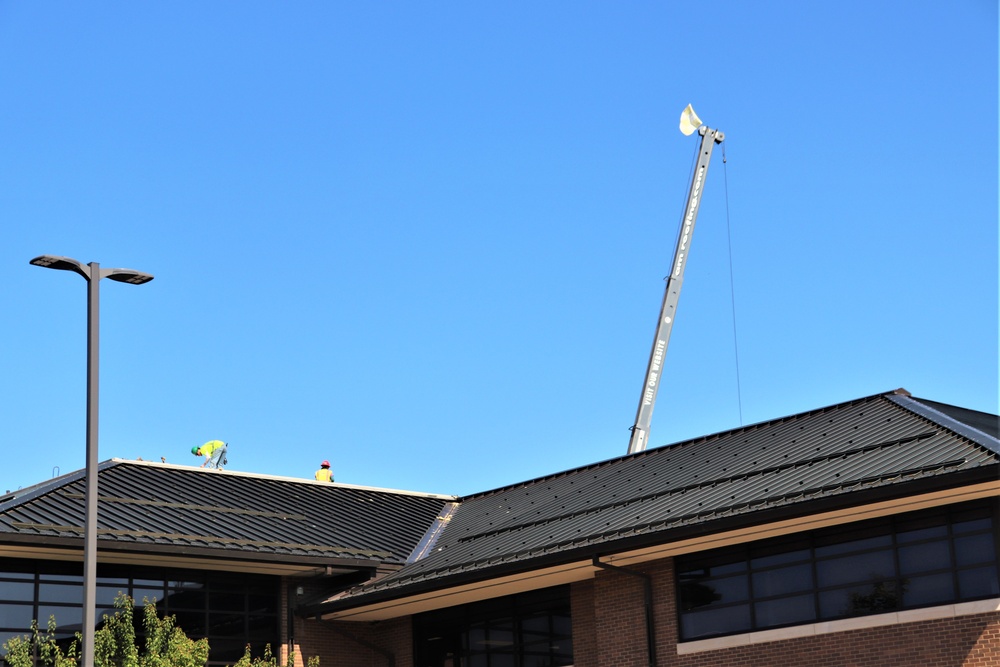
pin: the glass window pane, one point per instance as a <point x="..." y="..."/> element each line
<point x="147" y="593"/>
<point x="191" y="622"/>
<point x="730" y="589"/>
<point x="69" y="593"/>
<point x="922" y="534"/>
<point x="193" y="599"/>
<point x="12" y="574"/>
<point x="980" y="582"/>
<point x="930" y="589"/>
<point x="780" y="558"/>
<point x="974" y="549"/>
<point x="502" y="660"/>
<point x="857" y="537"/>
<point x="875" y="598"/>
<point x="535" y="624"/>
<point x="106" y="595"/>
<point x="924" y="557"/>
<point x="782" y="580"/>
<point x="972" y="524"/>
<point x="226" y="601"/>
<point x="857" y="568"/>
<point x="848" y="546"/>
<point x="263" y="604"/>
<point x="715" y="621"/>
<point x="17" y="590"/>
<point x="562" y="625"/>
<point x="712" y="591"/>
<point x="78" y="578"/>
<point x="17" y="616"/>
<point x="68" y="619"/>
<point x="728" y="568"/>
<point x="226" y="625"/>
<point x="262" y="625"/>
<point x="715" y="565"/>
<point x="784" y="611"/>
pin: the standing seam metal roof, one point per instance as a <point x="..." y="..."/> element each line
<point x="869" y="443"/>
<point x="235" y="514"/>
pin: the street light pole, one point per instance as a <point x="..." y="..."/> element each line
<point x="92" y="273"/>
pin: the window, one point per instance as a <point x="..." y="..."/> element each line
<point x="907" y="561"/>
<point x="526" y="630"/>
<point x="231" y="611"/>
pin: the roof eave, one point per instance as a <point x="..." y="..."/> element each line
<point x="976" y="477"/>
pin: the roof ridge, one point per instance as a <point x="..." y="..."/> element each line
<point x="281" y="478"/>
<point x="685" y="443"/>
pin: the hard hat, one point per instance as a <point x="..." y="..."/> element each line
<point x="324" y="464"/>
<point x="194" y="450"/>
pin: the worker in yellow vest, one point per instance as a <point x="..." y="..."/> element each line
<point x="214" y="452"/>
<point x="324" y="474"/>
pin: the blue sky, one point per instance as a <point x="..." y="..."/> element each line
<point x="427" y="240"/>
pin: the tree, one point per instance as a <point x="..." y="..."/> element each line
<point x="114" y="643"/>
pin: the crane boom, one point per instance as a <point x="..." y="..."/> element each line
<point x="672" y="292"/>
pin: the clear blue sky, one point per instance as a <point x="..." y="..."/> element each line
<point x="427" y="240"/>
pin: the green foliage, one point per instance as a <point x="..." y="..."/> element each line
<point x="20" y="650"/>
<point x="114" y="643"/>
<point x="268" y="660"/>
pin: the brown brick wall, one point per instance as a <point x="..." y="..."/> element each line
<point x="346" y="644"/>
<point x="612" y="634"/>
<point x="965" y="641"/>
<point x="620" y="617"/>
<point x="354" y="644"/>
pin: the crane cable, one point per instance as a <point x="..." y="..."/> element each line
<point x="732" y="288"/>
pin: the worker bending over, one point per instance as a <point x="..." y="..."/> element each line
<point x="214" y="452"/>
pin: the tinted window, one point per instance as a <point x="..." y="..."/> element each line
<point x="943" y="555"/>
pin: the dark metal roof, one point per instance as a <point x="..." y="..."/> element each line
<point x="882" y="444"/>
<point x="144" y="507"/>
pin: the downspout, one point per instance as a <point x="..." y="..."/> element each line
<point x="647" y="584"/>
<point x="291" y="605"/>
<point x="388" y="655"/>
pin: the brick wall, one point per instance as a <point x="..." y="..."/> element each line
<point x="609" y="631"/>
<point x="345" y="644"/>
<point x="967" y="641"/>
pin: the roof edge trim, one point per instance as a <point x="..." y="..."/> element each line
<point x="974" y="434"/>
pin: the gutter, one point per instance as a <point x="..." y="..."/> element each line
<point x="647" y="585"/>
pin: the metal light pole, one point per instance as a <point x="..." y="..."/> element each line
<point x="92" y="273"/>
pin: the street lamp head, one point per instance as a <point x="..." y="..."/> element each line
<point x="129" y="276"/>
<point x="69" y="264"/>
<point x="61" y="263"/>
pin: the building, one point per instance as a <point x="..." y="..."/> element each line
<point x="863" y="533"/>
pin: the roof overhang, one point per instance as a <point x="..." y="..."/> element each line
<point x="578" y="565"/>
<point x="156" y="555"/>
